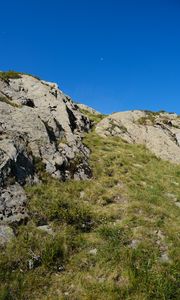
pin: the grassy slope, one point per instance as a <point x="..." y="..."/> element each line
<point x="112" y="234"/>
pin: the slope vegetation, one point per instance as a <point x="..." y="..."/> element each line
<point x="114" y="236"/>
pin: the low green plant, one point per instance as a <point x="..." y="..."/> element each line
<point x="95" y="118"/>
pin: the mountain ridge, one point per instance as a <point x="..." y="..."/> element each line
<point x="87" y="211"/>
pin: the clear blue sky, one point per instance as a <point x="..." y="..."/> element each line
<point x="110" y="54"/>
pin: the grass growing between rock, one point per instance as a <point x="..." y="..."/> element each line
<point x="113" y="237"/>
<point x="9" y="75"/>
<point x="95" y="118"/>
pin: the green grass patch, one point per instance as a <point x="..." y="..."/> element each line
<point x="9" y="75"/>
<point x="95" y="118"/>
<point x="115" y="236"/>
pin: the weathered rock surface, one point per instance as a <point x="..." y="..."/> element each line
<point x="38" y="123"/>
<point x="88" y="109"/>
<point x="159" y="132"/>
<point x="12" y="204"/>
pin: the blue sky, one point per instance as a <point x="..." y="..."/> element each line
<point x="110" y="54"/>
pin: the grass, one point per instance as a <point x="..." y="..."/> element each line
<point x="6" y="76"/>
<point x="9" y="75"/>
<point x="152" y="117"/>
<point x="95" y="118"/>
<point x="110" y="233"/>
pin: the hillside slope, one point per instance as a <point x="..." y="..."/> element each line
<point x="159" y="132"/>
<point x="40" y="127"/>
<point x="113" y="236"/>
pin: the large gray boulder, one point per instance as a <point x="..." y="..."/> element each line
<point x="38" y="123"/>
<point x="159" y="132"/>
<point x="48" y="122"/>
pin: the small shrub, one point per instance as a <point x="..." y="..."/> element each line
<point x="72" y="213"/>
<point x="53" y="253"/>
<point x="39" y="165"/>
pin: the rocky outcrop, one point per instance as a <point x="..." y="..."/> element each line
<point x="88" y="109"/>
<point x="159" y="132"/>
<point x="38" y="124"/>
<point x="13" y="205"/>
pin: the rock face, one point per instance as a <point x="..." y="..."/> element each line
<point x="38" y="124"/>
<point x="13" y="204"/>
<point x="159" y="132"/>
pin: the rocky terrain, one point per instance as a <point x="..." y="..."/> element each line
<point x="89" y="204"/>
<point x="38" y="125"/>
<point x="159" y="132"/>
